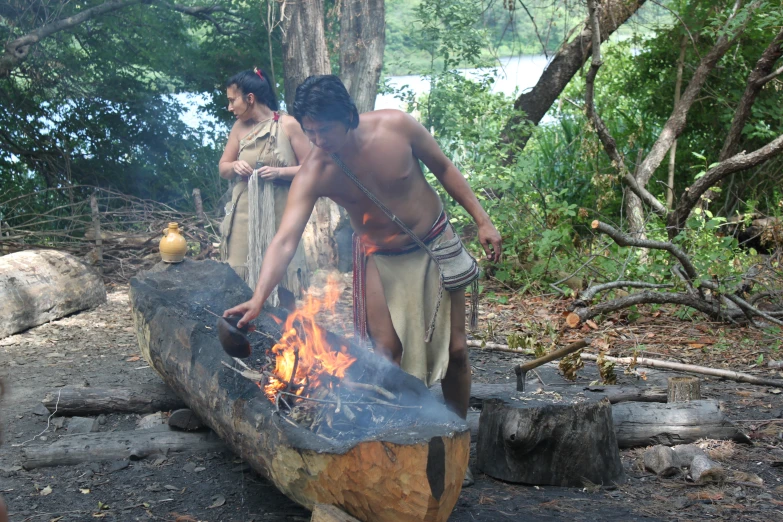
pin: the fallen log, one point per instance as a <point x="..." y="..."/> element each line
<point x="635" y="423"/>
<point x="117" y="445"/>
<point x="648" y="424"/>
<point x="326" y="513"/>
<point x="88" y="400"/>
<point x="408" y="467"/>
<point x="548" y="440"/>
<point x="38" y="286"/>
<point x="479" y="392"/>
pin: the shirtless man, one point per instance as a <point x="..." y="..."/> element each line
<point x="383" y="148"/>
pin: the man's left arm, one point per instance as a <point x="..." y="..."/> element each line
<point x="427" y="150"/>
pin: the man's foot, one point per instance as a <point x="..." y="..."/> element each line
<point x="468" y="480"/>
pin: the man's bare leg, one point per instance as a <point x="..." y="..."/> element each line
<point x="379" y="321"/>
<point x="456" y="383"/>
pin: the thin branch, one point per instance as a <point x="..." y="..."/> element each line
<point x="676" y="122"/>
<point x="591" y="292"/>
<point x="625" y="240"/>
<point x="736" y="163"/>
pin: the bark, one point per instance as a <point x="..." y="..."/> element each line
<point x="673" y="150"/>
<point x="119" y="445"/>
<point x="304" y="44"/>
<point x="38" y="286"/>
<point x="538" y="442"/>
<point x="683" y="389"/>
<point x="80" y="400"/>
<point x="411" y="469"/>
<point x="362" y="42"/>
<point x="305" y="53"/>
<point x="648" y="424"/>
<point x="565" y="64"/>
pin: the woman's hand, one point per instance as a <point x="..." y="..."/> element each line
<point x="242" y="168"/>
<point x="267" y="173"/>
<point x="249" y="310"/>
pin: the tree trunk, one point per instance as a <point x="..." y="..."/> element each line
<point x="362" y="42"/>
<point x="80" y="400"/>
<point x="118" y="445"/>
<point x="402" y="465"/>
<point x="38" y="286"/>
<point x="673" y="150"/>
<point x="565" y="64"/>
<point x="683" y="389"/>
<point x="304" y="44"/>
<point x="305" y="53"/>
<point x="540" y="442"/>
<point x="647" y="424"/>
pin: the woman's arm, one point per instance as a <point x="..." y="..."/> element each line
<point x="299" y="143"/>
<point x="229" y="167"/>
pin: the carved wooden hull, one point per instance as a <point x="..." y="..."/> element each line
<point x="407" y="473"/>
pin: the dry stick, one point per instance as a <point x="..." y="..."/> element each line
<point x="370" y="387"/>
<point x="690" y="368"/>
<point x="494" y="347"/>
<point x="247" y="374"/>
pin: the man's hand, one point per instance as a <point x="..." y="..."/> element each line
<point x="242" y="168"/>
<point x="490" y="239"/>
<point x="267" y="173"/>
<point x="249" y="310"/>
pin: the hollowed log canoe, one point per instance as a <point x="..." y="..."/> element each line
<point x="405" y="471"/>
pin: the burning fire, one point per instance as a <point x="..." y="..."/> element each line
<point x="304" y="358"/>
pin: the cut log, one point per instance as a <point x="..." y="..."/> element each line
<point x="538" y="441"/>
<point x="38" y="286"/>
<point x="405" y="470"/>
<point x="479" y="392"/>
<point x="648" y="424"/>
<point x="683" y="389"/>
<point x="81" y="400"/>
<point x="326" y="513"/>
<point x="118" y="445"/>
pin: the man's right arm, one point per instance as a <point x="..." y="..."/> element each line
<point x="301" y="200"/>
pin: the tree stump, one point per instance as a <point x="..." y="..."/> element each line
<point x="38" y="286"/>
<point x="545" y="440"/>
<point x="683" y="389"/>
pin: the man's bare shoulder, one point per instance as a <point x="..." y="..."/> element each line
<point x="316" y="170"/>
<point x="388" y="117"/>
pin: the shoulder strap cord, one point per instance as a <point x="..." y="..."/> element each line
<point x="419" y="242"/>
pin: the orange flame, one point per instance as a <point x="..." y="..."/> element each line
<point x="304" y="349"/>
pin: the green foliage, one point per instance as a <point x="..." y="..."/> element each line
<point x="93" y="105"/>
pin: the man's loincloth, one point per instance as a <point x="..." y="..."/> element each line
<point x="411" y="280"/>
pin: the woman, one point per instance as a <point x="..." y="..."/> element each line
<point x="262" y="155"/>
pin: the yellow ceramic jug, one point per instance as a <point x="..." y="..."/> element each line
<point x="173" y="246"/>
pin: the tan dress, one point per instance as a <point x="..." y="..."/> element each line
<point x="267" y="144"/>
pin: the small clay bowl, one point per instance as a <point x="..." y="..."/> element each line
<point x="234" y="340"/>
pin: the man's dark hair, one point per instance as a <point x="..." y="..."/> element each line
<point x="325" y="98"/>
<point x="260" y="83"/>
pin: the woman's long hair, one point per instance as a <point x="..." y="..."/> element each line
<point x="260" y="83"/>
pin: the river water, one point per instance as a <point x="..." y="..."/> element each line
<point x="514" y="74"/>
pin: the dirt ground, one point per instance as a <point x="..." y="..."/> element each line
<point x="99" y="348"/>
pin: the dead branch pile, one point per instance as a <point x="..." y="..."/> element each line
<point x="114" y="232"/>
